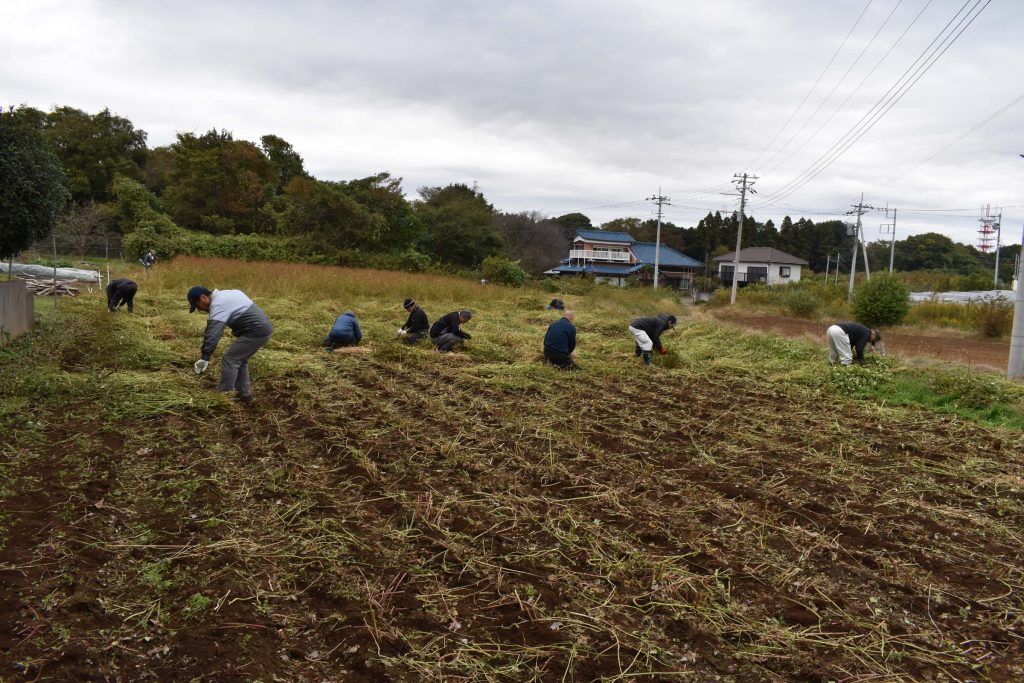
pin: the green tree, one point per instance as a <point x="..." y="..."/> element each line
<point x="284" y="158"/>
<point x="932" y="250"/>
<point x="324" y="210"/>
<point x="218" y="183"/>
<point x="572" y="222"/>
<point x="458" y="225"/>
<point x="95" y="148"/>
<point x="392" y="219"/>
<point x="883" y="301"/>
<point x="32" y="189"/>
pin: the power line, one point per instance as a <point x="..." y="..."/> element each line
<point x="827" y="98"/>
<point x="857" y="89"/>
<point x="884" y="104"/>
<point x="952" y="142"/>
<point x="818" y="80"/>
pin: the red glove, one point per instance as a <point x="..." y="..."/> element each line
<point x="663" y="350"/>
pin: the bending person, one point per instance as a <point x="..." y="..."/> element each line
<point x="250" y="325"/>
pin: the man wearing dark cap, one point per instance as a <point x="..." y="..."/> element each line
<point x="556" y="305"/>
<point x="560" y="341"/>
<point x="417" y="324"/>
<point x="121" y="292"/>
<point x="844" y="336"/>
<point x="647" y="334"/>
<point x="446" y="333"/>
<point x="250" y="325"/>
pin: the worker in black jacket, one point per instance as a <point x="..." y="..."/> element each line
<point x="560" y="341"/>
<point x="844" y="336"/>
<point x="446" y="333"/>
<point x="647" y="334"/>
<point x="121" y="292"/>
<point x="417" y="324"/>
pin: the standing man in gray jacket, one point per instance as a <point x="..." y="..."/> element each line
<point x="248" y="322"/>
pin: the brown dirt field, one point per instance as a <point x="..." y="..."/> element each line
<point x="752" y="536"/>
<point x="989" y="355"/>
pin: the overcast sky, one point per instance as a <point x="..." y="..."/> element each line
<point x="562" y="106"/>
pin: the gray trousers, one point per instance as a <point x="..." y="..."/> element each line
<point x="234" y="364"/>
<point x="446" y="341"/>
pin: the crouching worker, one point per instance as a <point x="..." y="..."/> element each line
<point x="250" y="325"/>
<point x="560" y="341"/>
<point x="446" y="334"/>
<point x="417" y="324"/>
<point x="647" y="334"/>
<point x="843" y="336"/>
<point x="121" y="292"/>
<point x="345" y="332"/>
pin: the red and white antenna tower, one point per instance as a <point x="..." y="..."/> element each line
<point x="987" y="232"/>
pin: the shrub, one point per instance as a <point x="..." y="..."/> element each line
<point x="993" y="316"/>
<point x="801" y="302"/>
<point x="883" y="301"/>
<point x="503" y="271"/>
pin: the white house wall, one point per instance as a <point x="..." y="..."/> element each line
<point x="773" y="271"/>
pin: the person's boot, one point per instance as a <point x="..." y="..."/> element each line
<point x="647" y="357"/>
<point x="637" y="351"/>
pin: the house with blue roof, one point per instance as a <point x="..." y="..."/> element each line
<point x="615" y="256"/>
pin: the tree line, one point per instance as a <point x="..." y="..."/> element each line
<point x="94" y="173"/>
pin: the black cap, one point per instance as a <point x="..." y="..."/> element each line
<point x="408" y="303"/>
<point x="465" y="314"/>
<point x="193" y="296"/>
<point x="672" y="320"/>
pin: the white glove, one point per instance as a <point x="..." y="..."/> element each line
<point x="201" y="365"/>
<point x="401" y="332"/>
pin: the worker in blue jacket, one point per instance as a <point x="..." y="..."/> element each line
<point x="560" y="341"/>
<point x="345" y="332"/>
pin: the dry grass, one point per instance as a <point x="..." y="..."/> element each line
<point x="402" y="515"/>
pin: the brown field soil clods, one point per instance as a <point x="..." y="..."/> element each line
<point x="391" y="515"/>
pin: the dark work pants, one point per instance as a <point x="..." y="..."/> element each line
<point x="563" y="361"/>
<point x="234" y="364"/>
<point x="446" y="341"/>
<point x="412" y="338"/>
<point x="332" y="342"/>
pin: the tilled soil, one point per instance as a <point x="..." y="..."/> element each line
<point x="395" y="524"/>
<point x="990" y="355"/>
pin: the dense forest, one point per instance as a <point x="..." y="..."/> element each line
<point x="216" y="195"/>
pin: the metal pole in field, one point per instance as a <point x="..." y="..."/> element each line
<point x="54" y="235"/>
<point x="828" y="267"/>
<point x="999" y="232"/>
<point x="742" y="179"/>
<point x="890" y="228"/>
<point x="837" y="269"/>
<point x="657" y="239"/>
<point x="1015" y="367"/>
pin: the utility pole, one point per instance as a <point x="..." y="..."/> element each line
<point x="856" y="239"/>
<point x="890" y="228"/>
<point x="743" y="180"/>
<point x="1015" y="368"/>
<point x="999" y="233"/>
<point x="660" y="200"/>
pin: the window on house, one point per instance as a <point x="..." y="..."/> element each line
<point x="783" y="271"/>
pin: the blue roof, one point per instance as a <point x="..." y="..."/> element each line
<point x="613" y="271"/>
<point x="669" y="257"/>
<point x="605" y="236"/>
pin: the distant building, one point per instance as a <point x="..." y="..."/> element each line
<point x="760" y="264"/>
<point x="614" y="256"/>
